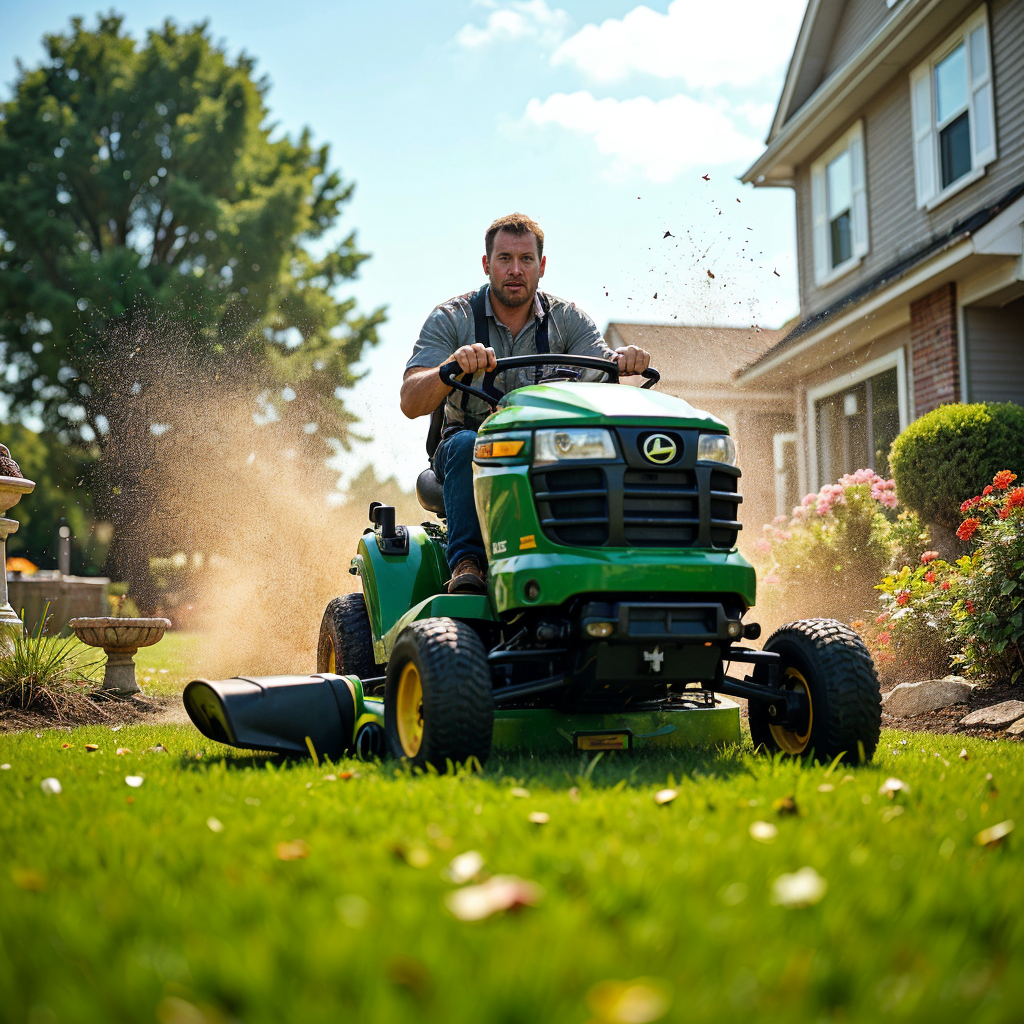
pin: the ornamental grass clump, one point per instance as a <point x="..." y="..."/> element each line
<point x="54" y="675"/>
<point x="826" y="557"/>
<point x="970" y="611"/>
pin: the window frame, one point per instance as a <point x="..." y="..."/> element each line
<point x="897" y="358"/>
<point x="924" y="114"/>
<point x="852" y="141"/>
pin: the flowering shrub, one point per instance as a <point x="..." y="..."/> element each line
<point x="971" y="609"/>
<point x="825" y="558"/>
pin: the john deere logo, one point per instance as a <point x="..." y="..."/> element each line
<point x="659" y="449"/>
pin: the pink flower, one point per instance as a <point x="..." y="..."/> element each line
<point x="763" y="545"/>
<point x="882" y="617"/>
<point x="779" y="521"/>
<point x="888" y="499"/>
<point x="770" y="580"/>
<point x="929" y="556"/>
<point x="808" y="499"/>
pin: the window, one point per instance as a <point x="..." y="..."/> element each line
<point x="839" y="207"/>
<point x="953" y="115"/>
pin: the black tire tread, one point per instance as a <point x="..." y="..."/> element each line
<point x="347" y="623"/>
<point x="458" y="702"/>
<point x="850" y="695"/>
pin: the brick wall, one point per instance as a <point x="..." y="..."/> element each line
<point x="934" y="350"/>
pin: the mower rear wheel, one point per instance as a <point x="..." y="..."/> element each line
<point x="830" y="663"/>
<point x="438" y="704"/>
<point x="345" y="644"/>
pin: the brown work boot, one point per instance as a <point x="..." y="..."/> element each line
<point x="468" y="578"/>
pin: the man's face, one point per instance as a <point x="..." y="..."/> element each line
<point x="514" y="269"/>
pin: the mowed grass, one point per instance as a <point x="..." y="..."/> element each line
<point x="170" y="902"/>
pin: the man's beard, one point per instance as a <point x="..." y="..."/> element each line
<point x="513" y="301"/>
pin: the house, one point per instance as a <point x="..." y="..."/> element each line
<point x="901" y="130"/>
<point x="698" y="364"/>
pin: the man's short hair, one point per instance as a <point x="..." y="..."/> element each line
<point x="515" y="224"/>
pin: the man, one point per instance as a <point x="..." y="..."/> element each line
<point x="520" y="320"/>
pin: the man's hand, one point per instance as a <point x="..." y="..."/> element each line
<point x="632" y="360"/>
<point x="474" y="358"/>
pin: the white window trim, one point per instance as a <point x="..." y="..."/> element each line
<point x="922" y="91"/>
<point x="778" y="440"/>
<point x="897" y="358"/>
<point x="852" y="140"/>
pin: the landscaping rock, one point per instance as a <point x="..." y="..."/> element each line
<point x="1017" y="729"/>
<point x="929" y="695"/>
<point x="997" y="716"/>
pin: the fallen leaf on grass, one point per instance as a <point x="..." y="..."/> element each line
<point x="64" y="746"/>
<point x="50" y="785"/>
<point x="28" y="879"/>
<point x="665" y="796"/>
<point x="121" y="751"/>
<point x="296" y="849"/>
<point x="503" y="892"/>
<point x="519" y="793"/>
<point x="574" y="794"/>
<point x="539" y="817"/>
<point x="92" y="747"/>
<point x="214" y="825"/>
<point x="465" y="867"/>
<point x="763" y="831"/>
<point x="345" y="776"/>
<point x="826" y="787"/>
<point x="159" y="749"/>
<point x="786" y="806"/>
<point x="803" y="888"/>
<point x="892" y="786"/>
<point x="995" y="835"/>
<point x="5" y="767"/>
<point x="963" y="755"/>
<point x="639" y="1001"/>
<point x="135" y="781"/>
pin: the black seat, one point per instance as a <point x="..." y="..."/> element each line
<point x="429" y="492"/>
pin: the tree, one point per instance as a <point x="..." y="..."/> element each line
<point x="155" y="228"/>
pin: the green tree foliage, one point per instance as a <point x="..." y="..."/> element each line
<point x="154" y="228"/>
<point x="953" y="451"/>
<point x="58" y="499"/>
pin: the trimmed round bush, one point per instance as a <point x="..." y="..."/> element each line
<point x="952" y="452"/>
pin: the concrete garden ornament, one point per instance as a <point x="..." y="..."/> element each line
<point x="121" y="639"/>
<point x="12" y="486"/>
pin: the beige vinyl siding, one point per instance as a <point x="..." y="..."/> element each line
<point x="897" y="227"/>
<point x="860" y="20"/>
<point x="994" y="341"/>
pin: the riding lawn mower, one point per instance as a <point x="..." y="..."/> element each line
<point x="614" y="614"/>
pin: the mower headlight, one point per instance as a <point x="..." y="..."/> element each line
<point x="716" y="448"/>
<point x="577" y="443"/>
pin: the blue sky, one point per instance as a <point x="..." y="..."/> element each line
<point x="598" y="119"/>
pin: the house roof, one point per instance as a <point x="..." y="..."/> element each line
<point x="702" y="355"/>
<point x="891" y="274"/>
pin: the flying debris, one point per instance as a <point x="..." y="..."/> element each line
<point x="706" y="177"/>
<point x="668" y="234"/>
<point x="776" y="273"/>
<point x="712" y="276"/>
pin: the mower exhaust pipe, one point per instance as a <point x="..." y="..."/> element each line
<point x="294" y="715"/>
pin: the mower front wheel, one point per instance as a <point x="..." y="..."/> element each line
<point x="438" y="704"/>
<point x="830" y="663"/>
<point x="345" y="643"/>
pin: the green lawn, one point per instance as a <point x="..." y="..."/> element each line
<point x="169" y="902"/>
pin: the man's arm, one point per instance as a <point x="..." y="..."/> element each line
<point x="422" y="388"/>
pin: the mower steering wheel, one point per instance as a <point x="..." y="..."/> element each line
<point x="489" y="394"/>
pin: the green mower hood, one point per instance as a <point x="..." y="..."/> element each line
<point x="563" y="404"/>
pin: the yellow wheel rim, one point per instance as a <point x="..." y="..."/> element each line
<point x="332" y="661"/>
<point x="790" y="741"/>
<point x="409" y="710"/>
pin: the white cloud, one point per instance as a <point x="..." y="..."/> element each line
<point x="515" y="22"/>
<point x="704" y="43"/>
<point x="657" y="139"/>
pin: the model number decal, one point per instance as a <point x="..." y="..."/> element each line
<point x="498" y="547"/>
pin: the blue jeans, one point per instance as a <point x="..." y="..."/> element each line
<point x="453" y="465"/>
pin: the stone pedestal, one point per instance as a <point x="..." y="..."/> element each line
<point x="121" y="640"/>
<point x="11" y="490"/>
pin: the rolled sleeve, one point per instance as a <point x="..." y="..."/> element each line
<point x="438" y="340"/>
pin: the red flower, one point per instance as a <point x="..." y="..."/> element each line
<point x="884" y="638"/>
<point x="929" y="556"/>
<point x="988" y="490"/>
<point x="969" y="504"/>
<point x="1014" y="499"/>
<point x="970" y="607"/>
<point x="967" y="528"/>
<point x="929" y="577"/>
<point x="945" y="584"/>
<point x="882" y="617"/>
<point x="903" y="597"/>
<point x="1003" y="479"/>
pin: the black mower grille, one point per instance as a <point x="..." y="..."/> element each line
<point x="677" y="506"/>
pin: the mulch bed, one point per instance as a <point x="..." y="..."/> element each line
<point x="137" y="710"/>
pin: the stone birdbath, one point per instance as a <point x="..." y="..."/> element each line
<point x="11" y="490"/>
<point x="120" y="639"/>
